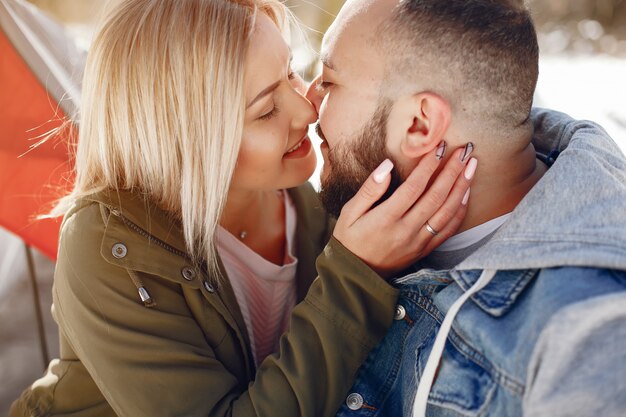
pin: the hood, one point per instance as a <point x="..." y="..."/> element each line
<point x="576" y="214"/>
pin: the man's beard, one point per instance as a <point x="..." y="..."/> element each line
<point x="351" y="163"/>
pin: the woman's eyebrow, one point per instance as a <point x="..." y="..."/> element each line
<point x="263" y="93"/>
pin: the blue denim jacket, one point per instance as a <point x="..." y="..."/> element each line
<point x="485" y="367"/>
<point x="547" y="335"/>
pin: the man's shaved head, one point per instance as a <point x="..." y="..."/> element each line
<point x="480" y="55"/>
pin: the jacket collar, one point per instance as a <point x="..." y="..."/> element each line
<point x="158" y="226"/>
<point x="499" y="296"/>
<point x="138" y="210"/>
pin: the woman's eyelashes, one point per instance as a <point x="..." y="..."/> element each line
<point x="270" y="114"/>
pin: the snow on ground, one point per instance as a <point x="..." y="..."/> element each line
<point x="586" y="87"/>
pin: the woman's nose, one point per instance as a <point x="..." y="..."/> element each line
<point x="314" y="95"/>
<point x="304" y="112"/>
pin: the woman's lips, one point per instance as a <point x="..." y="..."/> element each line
<point x="300" y="149"/>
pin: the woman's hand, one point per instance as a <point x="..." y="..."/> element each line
<point x="413" y="220"/>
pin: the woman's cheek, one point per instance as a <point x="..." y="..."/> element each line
<point x="261" y="150"/>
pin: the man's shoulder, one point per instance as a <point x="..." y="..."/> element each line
<point x="554" y="291"/>
<point x="581" y="295"/>
<point x="578" y="363"/>
<point x="581" y="279"/>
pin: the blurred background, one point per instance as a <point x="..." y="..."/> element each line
<point x="582" y="72"/>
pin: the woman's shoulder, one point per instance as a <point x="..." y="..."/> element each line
<point x="80" y="264"/>
<point x="109" y="251"/>
<point x="124" y="233"/>
<point x="82" y="225"/>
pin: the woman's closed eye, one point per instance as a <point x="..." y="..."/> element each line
<point x="270" y="114"/>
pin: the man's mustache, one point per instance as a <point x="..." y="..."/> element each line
<point x="318" y="130"/>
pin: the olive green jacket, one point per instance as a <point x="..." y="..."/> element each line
<point x="144" y="332"/>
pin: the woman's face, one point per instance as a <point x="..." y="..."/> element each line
<point x="275" y="150"/>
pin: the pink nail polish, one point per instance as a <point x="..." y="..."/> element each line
<point x="470" y="170"/>
<point x="382" y="171"/>
<point x="466" y="197"/>
<point x="467" y="151"/>
<point x="441" y="150"/>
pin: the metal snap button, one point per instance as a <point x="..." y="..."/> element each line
<point x="354" y="401"/>
<point x="119" y="250"/>
<point x="400" y="312"/>
<point x="188" y="273"/>
<point x="208" y="287"/>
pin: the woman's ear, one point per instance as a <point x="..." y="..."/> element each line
<point x="428" y="119"/>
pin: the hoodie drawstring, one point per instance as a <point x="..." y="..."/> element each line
<point x="428" y="376"/>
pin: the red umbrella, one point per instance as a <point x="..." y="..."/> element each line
<point x="37" y="91"/>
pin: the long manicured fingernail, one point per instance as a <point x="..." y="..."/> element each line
<point x="382" y="171"/>
<point x="441" y="150"/>
<point x="469" y="148"/>
<point x="470" y="170"/>
<point x="466" y="197"/>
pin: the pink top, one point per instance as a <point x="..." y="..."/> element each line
<point x="266" y="292"/>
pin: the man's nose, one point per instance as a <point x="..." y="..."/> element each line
<point x="314" y="95"/>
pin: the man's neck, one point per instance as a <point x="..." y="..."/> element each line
<point x="500" y="184"/>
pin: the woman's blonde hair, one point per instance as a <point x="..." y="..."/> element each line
<point x="163" y="105"/>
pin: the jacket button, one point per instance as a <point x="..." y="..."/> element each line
<point x="119" y="250"/>
<point x="188" y="273"/>
<point x="354" y="401"/>
<point x="209" y="287"/>
<point x="400" y="312"/>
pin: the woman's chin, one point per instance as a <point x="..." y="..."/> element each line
<point x="300" y="173"/>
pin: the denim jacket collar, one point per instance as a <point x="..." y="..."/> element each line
<point x="499" y="296"/>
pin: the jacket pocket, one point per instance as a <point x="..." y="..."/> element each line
<point x="462" y="386"/>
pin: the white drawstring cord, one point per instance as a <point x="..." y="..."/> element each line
<point x="428" y="377"/>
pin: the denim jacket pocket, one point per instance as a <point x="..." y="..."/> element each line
<point x="462" y="387"/>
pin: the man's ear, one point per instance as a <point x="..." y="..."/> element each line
<point x="421" y="121"/>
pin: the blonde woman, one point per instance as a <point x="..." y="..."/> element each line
<point x="189" y="240"/>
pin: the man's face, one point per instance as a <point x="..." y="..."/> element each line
<point x="347" y="165"/>
<point x="352" y="116"/>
